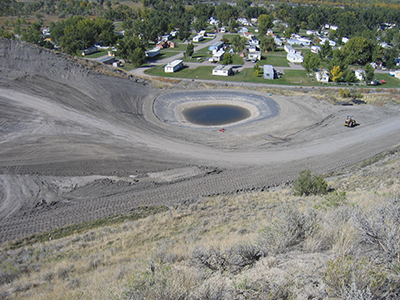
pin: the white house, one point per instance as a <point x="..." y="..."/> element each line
<point x="89" y="51"/>
<point x="243" y="30"/>
<point x="331" y="43"/>
<point x="173" y="66"/>
<point x="254" y="55"/>
<point x="153" y="52"/>
<point x="345" y="39"/>
<point x="278" y="41"/>
<point x="289" y="49"/>
<point x="254" y="41"/>
<point x="222" y="70"/>
<point x="322" y="76"/>
<point x="299" y="41"/>
<point x="174" y="34"/>
<point x="295" y="58"/>
<point x="252" y="48"/>
<point x="397" y="74"/>
<point x="360" y="74"/>
<point x="269" y="72"/>
<point x="198" y="38"/>
<point x="315" y="49"/>
<point x="219" y="55"/>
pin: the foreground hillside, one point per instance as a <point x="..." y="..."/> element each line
<point x="261" y="245"/>
<point x="106" y="191"/>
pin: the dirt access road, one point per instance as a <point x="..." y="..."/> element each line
<point x="76" y="145"/>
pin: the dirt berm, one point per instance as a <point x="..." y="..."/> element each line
<point x="77" y="145"/>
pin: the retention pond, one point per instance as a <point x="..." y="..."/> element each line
<point x="217" y="114"/>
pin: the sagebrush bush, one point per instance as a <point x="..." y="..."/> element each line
<point x="232" y="259"/>
<point x="289" y="228"/>
<point x="160" y="282"/>
<point x="380" y="227"/>
<point x="307" y="184"/>
<point x="346" y="271"/>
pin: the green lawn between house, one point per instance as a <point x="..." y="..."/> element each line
<point x="291" y="77"/>
<point x="97" y="54"/>
<point x="162" y="55"/>
<point x="391" y="81"/>
<point x="274" y="59"/>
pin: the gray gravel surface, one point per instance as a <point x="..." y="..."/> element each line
<point x="76" y="145"/>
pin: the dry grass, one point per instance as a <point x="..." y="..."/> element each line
<point x="310" y="239"/>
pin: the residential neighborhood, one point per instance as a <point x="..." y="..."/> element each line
<point x="305" y="54"/>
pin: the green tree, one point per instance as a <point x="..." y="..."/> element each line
<point x="233" y="25"/>
<point x="349" y="76"/>
<point x="283" y="14"/>
<point x="189" y="50"/>
<point x="138" y="57"/>
<point x="311" y="61"/>
<point x="390" y="56"/>
<point x="239" y="43"/>
<point x="227" y="60"/>
<point x="126" y="49"/>
<point x="200" y="24"/>
<point x="326" y="50"/>
<point x="358" y="50"/>
<point x="256" y="69"/>
<point x="288" y="32"/>
<point x="267" y="43"/>
<point x="6" y="34"/>
<point x="264" y="23"/>
<point x="225" y="13"/>
<point x="184" y="32"/>
<point x="307" y="184"/>
<point x="105" y="31"/>
<point x="369" y="72"/>
<point x="33" y="34"/>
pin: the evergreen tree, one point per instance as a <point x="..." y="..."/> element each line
<point x="189" y="50"/>
<point x="227" y="60"/>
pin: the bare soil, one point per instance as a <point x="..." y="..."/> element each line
<point x="77" y="145"/>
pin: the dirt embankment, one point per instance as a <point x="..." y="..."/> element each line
<point x="77" y="145"/>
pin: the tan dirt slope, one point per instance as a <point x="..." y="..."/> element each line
<point x="77" y="145"/>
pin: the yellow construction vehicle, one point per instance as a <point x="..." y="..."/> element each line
<point x="350" y="122"/>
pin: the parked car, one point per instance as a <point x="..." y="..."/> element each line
<point x="382" y="81"/>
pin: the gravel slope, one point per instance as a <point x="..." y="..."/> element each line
<point x="76" y="145"/>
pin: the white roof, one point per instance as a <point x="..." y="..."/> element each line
<point x="174" y="63"/>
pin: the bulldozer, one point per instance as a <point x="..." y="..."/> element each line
<point x="350" y="122"/>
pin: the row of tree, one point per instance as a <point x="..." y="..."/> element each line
<point x="164" y="14"/>
<point x="357" y="51"/>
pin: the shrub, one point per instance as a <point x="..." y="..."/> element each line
<point x="230" y="259"/>
<point x="360" y="274"/>
<point x="289" y="228"/>
<point x="381" y="227"/>
<point x="306" y="184"/>
<point x="161" y="282"/>
<point x="353" y="293"/>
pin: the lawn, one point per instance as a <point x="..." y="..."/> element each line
<point x="97" y="54"/>
<point x="203" y="72"/>
<point x="229" y="36"/>
<point x="275" y="59"/>
<point x="391" y="81"/>
<point x="162" y="55"/>
<point x="197" y="57"/>
<point x="291" y="77"/>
